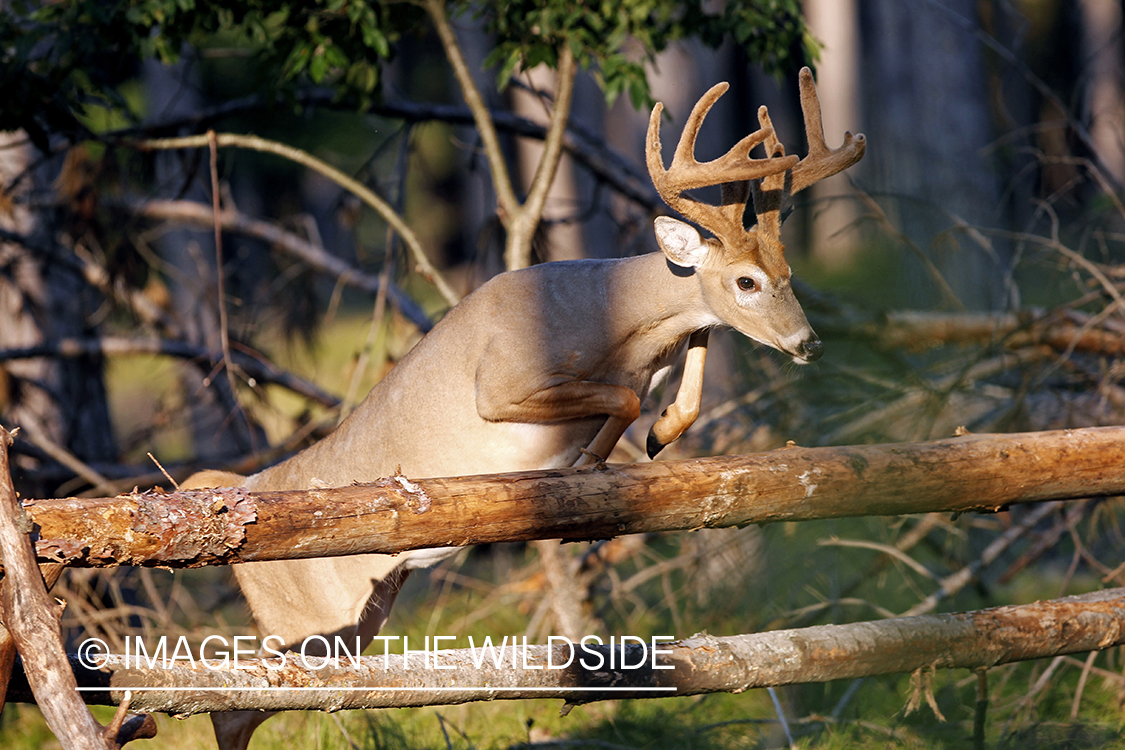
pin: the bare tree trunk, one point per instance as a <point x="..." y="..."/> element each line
<point x="834" y="23"/>
<point x="1102" y="26"/>
<point x="42" y="298"/>
<point x="556" y="239"/>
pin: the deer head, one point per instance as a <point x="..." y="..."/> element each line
<point x="742" y="272"/>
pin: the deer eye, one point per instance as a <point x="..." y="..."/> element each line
<point x="746" y="284"/>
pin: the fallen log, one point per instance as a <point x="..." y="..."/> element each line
<point x="916" y="330"/>
<point x="432" y="675"/>
<point x="194" y="528"/>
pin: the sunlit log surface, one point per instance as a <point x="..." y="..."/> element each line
<point x="194" y="528"/>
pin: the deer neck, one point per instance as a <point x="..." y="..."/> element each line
<point x="656" y="306"/>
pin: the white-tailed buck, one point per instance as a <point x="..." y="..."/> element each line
<point x="544" y="367"/>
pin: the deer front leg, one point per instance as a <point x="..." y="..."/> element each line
<point x="685" y="409"/>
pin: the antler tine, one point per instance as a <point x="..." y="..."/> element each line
<point x="734" y="166"/>
<point x="685" y="149"/>
<point x="686" y="173"/>
<point x="669" y="188"/>
<point x="769" y="193"/>
<point x="774" y="147"/>
<point x="653" y="149"/>
<point x="822" y="161"/>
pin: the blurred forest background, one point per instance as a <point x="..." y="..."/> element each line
<point x="968" y="272"/>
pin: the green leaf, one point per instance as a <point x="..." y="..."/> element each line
<point x="334" y="56"/>
<point x="508" y="68"/>
<point x="374" y="39"/>
<point x="318" y="67"/>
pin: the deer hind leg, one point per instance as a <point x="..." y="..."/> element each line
<point x="234" y="729"/>
<point x="685" y="409"/>
<point x="575" y="399"/>
<point x="586" y="398"/>
<point x="379" y="604"/>
<point x="295" y="599"/>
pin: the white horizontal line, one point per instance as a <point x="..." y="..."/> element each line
<point x="388" y="689"/>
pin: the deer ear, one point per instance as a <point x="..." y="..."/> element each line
<point x="681" y="242"/>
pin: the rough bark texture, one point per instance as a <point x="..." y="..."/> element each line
<point x="31" y="618"/>
<point x="8" y="651"/>
<point x="975" y="472"/>
<point x="700" y="664"/>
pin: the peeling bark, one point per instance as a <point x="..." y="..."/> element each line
<point x="173" y="529"/>
<point x="970" y="473"/>
<point x="700" y="664"/>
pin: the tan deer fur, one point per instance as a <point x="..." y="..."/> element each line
<point x="526" y="372"/>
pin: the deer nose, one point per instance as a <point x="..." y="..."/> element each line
<point x="811" y="350"/>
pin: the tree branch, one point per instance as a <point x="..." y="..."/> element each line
<point x="522" y="229"/>
<point x="197" y="214"/>
<point x="583" y="146"/>
<point x="97" y="276"/>
<point x="38" y="436"/>
<point x="915" y="330"/>
<point x="109" y="346"/>
<point x="368" y="196"/>
<point x="498" y="165"/>
<point x="951" y="584"/>
<point x="31" y="618"/>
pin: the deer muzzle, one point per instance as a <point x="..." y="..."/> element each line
<point x="809" y="350"/>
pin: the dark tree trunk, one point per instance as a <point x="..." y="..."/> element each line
<point x="43" y="298"/>
<point x="926" y="94"/>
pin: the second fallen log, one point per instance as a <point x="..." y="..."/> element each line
<point x="696" y="665"/>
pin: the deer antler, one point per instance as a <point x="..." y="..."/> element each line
<point x="770" y="181"/>
<point x="821" y="161"/>
<point x="736" y="166"/>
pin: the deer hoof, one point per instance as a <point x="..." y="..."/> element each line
<point x="653" y="444"/>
